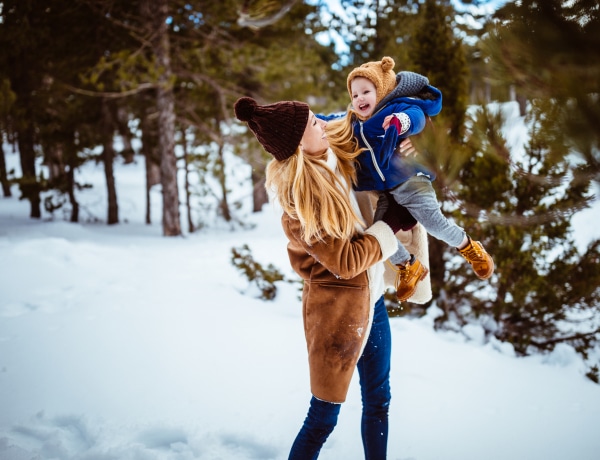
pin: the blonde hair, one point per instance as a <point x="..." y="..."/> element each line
<point x="308" y="190"/>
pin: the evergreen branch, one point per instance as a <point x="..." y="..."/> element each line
<point x="195" y="121"/>
<point x="256" y="21"/>
<point x="587" y="336"/>
<point x="222" y="92"/>
<point x="473" y="210"/>
<point x="538" y="219"/>
<point x="102" y="9"/>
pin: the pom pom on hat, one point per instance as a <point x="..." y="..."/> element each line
<point x="279" y="127"/>
<point x="244" y="108"/>
<point x="380" y="73"/>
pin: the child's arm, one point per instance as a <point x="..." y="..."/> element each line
<point x="408" y="122"/>
<point x="400" y="125"/>
<point x="400" y="121"/>
<point x="332" y="116"/>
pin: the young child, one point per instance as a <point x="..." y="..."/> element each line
<point x="386" y="109"/>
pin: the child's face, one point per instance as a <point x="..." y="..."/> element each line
<point x="364" y="96"/>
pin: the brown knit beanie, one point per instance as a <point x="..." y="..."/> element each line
<point x="279" y="127"/>
<point x="381" y="73"/>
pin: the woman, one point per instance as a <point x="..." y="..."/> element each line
<point x="340" y="261"/>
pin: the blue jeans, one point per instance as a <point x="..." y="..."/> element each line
<point x="374" y="372"/>
<point x="418" y="196"/>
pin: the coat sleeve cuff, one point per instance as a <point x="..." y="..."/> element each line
<point x="385" y="236"/>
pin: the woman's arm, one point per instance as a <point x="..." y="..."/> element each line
<point x="346" y="259"/>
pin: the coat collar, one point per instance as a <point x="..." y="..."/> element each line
<point x="331" y="161"/>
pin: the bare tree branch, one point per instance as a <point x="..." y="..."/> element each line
<point x="110" y="95"/>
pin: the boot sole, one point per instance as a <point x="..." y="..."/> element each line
<point x="488" y="274"/>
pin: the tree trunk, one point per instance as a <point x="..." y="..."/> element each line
<point x="437" y="267"/>
<point x="148" y="187"/>
<point x="522" y="100"/>
<point x="188" y="204"/>
<point x="108" y="157"/>
<point x="3" y="174"/>
<point x="22" y="83"/>
<point x="71" y="191"/>
<point x="259" y="193"/>
<point x="516" y="95"/>
<point x="152" y="159"/>
<point x="157" y="13"/>
<point x="224" y="205"/>
<point x="123" y="128"/>
<point x="54" y="161"/>
<point x="30" y="188"/>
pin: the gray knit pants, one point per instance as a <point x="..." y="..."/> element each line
<point x="418" y="196"/>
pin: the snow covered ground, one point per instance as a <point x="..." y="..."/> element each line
<point x="119" y="344"/>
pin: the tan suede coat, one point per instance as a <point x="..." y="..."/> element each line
<point x="337" y="301"/>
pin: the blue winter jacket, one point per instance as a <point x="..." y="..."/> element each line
<point x="380" y="165"/>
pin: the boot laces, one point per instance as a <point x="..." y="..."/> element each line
<point x="402" y="271"/>
<point x="474" y="252"/>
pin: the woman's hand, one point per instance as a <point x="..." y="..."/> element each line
<point x="395" y="215"/>
<point x="407" y="148"/>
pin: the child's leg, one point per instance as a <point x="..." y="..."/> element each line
<point x="418" y="196"/>
<point x="409" y="270"/>
<point x="401" y="256"/>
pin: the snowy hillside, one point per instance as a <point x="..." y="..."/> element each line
<point x="119" y="344"/>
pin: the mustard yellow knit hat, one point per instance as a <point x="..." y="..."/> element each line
<point x="381" y="73"/>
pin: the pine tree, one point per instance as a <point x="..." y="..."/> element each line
<point x="545" y="291"/>
<point x="434" y="51"/>
<point x="24" y="39"/>
<point x="279" y="61"/>
<point x="7" y="99"/>
<point x="372" y="30"/>
<point x="438" y="54"/>
<point x="154" y="16"/>
<point x="521" y="209"/>
<point x="551" y="50"/>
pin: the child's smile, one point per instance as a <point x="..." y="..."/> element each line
<point x="364" y="96"/>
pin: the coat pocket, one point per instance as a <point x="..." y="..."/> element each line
<point x="334" y="285"/>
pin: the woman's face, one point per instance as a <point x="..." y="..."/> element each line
<point x="314" y="142"/>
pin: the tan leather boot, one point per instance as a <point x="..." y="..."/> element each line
<point x="407" y="277"/>
<point x="480" y="260"/>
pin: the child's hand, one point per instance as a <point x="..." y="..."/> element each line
<point x="400" y="121"/>
<point x="386" y="122"/>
